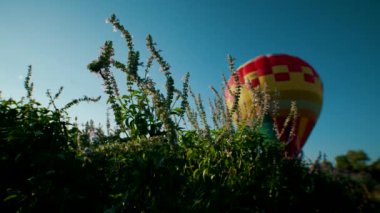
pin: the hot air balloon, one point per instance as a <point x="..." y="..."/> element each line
<point x="290" y="79"/>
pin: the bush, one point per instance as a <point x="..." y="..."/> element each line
<point x="39" y="163"/>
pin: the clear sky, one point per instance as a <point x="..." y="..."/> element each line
<point x="340" y="39"/>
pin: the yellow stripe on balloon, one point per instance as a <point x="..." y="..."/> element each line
<point x="301" y="95"/>
<point x="280" y="69"/>
<point x="296" y="82"/>
<point x="301" y="105"/>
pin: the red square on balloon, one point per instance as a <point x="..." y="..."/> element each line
<point x="309" y="78"/>
<point x="282" y="76"/>
<point x="255" y="82"/>
<point x="294" y="68"/>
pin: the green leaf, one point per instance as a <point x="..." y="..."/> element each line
<point x="10" y="197"/>
<point x="177" y="111"/>
<point x="204" y="174"/>
<point x="195" y="173"/>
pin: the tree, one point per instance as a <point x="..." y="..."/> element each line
<point x="352" y="161"/>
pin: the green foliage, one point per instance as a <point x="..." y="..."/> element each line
<point x="38" y="149"/>
<point x="140" y="121"/>
<point x="27" y="84"/>
<point x="354" y="165"/>
<point x="49" y="164"/>
<point x="353" y="160"/>
<point x="39" y="168"/>
<point x="154" y="112"/>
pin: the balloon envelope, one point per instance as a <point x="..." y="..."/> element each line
<point x="292" y="79"/>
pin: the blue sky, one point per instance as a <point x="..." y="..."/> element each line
<point x="340" y="39"/>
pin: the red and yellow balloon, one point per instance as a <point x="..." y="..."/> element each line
<point x="293" y="80"/>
